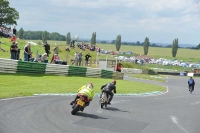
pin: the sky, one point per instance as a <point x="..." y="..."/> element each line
<point x="160" y="20"/>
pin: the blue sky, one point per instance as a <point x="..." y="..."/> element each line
<point x="160" y="20"/>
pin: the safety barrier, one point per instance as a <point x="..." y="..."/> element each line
<point x="14" y="66"/>
<point x="8" y="66"/>
<point x="131" y="70"/>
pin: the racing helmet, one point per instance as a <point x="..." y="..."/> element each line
<point x="90" y="85"/>
<point x="114" y="82"/>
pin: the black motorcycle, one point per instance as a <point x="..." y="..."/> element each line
<point x="104" y="100"/>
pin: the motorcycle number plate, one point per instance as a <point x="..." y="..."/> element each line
<point x="102" y="100"/>
<point x="81" y="103"/>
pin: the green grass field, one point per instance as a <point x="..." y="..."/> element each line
<point x="15" y="85"/>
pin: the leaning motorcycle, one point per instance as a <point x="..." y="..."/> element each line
<point x="104" y="100"/>
<point x="79" y="104"/>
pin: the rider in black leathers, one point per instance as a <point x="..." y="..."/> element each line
<point x="108" y="88"/>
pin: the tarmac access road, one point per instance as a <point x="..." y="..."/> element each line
<point x="177" y="111"/>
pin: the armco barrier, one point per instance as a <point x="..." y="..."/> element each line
<point x="57" y="69"/>
<point x="31" y="67"/>
<point x="93" y="72"/>
<point x="169" y="73"/>
<point x="8" y="66"/>
<point x="76" y="70"/>
<point x="106" y="74"/>
<point x="14" y="66"/>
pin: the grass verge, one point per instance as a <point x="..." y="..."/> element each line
<point x="15" y="85"/>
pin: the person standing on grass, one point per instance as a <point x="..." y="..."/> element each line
<point x="87" y="56"/>
<point x="26" y="52"/>
<point x="14" y="30"/>
<point x="13" y="51"/>
<point x="47" y="48"/>
<point x="80" y="58"/>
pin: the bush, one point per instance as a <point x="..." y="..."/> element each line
<point x="152" y="72"/>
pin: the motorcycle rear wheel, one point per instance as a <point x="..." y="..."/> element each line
<point x="191" y="90"/>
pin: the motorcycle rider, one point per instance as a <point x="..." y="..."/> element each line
<point x="108" y="88"/>
<point x="191" y="83"/>
<point x="86" y="90"/>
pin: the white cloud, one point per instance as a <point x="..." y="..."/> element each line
<point x="109" y="18"/>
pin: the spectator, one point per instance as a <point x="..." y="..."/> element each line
<point x="26" y="52"/>
<point x="67" y="49"/>
<point x="58" y="61"/>
<point x="14" y="30"/>
<point x="13" y="50"/>
<point x="75" y="60"/>
<point x="99" y="50"/>
<point x="80" y="58"/>
<point x="47" y="48"/>
<point x="87" y="56"/>
<point x="119" y="67"/>
<point x="17" y="51"/>
<point x="13" y="38"/>
<point x="30" y="53"/>
<point x="56" y="49"/>
<point x="72" y="44"/>
<point x="44" y="58"/>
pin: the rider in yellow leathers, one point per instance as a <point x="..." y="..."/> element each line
<point x="86" y="90"/>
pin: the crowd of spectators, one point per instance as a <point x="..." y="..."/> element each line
<point x="7" y="32"/>
<point x="78" y="59"/>
<point x="15" y="51"/>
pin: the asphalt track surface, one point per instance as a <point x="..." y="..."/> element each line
<point x="177" y="111"/>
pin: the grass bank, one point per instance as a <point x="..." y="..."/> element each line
<point x="15" y="85"/>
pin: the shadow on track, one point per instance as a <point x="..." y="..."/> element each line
<point x="89" y="115"/>
<point x="114" y="109"/>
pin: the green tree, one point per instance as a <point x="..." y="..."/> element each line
<point x="146" y="45"/>
<point x="118" y="42"/>
<point x="198" y="47"/>
<point x="8" y="15"/>
<point x="175" y="47"/>
<point x="68" y="38"/>
<point x="21" y="33"/>
<point x="113" y="42"/>
<point x="44" y="36"/>
<point x="93" y="38"/>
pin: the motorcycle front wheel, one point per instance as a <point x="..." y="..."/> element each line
<point x="75" y="109"/>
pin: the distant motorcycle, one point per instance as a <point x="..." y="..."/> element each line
<point x="79" y="104"/>
<point x="104" y="100"/>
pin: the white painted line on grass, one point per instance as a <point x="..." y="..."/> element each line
<point x="175" y="121"/>
<point x="195" y="103"/>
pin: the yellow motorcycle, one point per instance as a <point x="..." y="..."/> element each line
<point x="80" y="104"/>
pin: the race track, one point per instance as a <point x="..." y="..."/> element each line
<point x="177" y="111"/>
